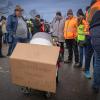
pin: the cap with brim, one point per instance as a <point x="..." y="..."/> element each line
<point x="18" y="8"/>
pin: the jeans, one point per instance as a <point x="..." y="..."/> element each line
<point x="15" y="41"/>
<point x="29" y="36"/>
<point x="96" y="46"/>
<point x="72" y="46"/>
<point x="82" y="50"/>
<point x="89" y="54"/>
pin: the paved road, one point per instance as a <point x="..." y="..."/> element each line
<point x="73" y="85"/>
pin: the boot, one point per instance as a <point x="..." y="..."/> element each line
<point x="95" y="90"/>
<point x="68" y="61"/>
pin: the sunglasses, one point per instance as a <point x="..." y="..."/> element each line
<point x="18" y="10"/>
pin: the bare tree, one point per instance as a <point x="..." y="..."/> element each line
<point x="33" y="13"/>
<point x="5" y="6"/>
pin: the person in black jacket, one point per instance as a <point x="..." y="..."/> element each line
<point x="16" y="28"/>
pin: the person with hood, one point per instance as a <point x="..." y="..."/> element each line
<point x="84" y="43"/>
<point x="94" y="20"/>
<point x="57" y="26"/>
<point x="17" y="29"/>
<point x="70" y="35"/>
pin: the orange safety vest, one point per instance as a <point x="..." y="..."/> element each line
<point x="86" y="27"/>
<point x="70" y="28"/>
<point x="93" y="10"/>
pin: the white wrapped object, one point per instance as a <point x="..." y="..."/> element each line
<point x="40" y="41"/>
<point x="41" y="38"/>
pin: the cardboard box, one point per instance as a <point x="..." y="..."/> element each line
<point x="34" y="66"/>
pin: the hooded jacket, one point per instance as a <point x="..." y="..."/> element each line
<point x="70" y="29"/>
<point x="57" y="28"/>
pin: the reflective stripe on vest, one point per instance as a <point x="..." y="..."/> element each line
<point x="81" y="34"/>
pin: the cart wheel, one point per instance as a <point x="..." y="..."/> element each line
<point x="48" y="95"/>
<point x="26" y="91"/>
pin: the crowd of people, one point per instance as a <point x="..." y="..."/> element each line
<point x="80" y="33"/>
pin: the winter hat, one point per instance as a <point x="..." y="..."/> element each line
<point x="70" y="12"/>
<point x="38" y="16"/>
<point x="80" y="12"/>
<point x="58" y="13"/>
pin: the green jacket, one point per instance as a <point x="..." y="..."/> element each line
<point x="36" y="26"/>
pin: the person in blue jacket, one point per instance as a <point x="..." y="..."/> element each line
<point x="17" y="29"/>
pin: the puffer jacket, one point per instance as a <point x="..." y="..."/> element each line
<point x="57" y="28"/>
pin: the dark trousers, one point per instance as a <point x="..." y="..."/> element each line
<point x="0" y="42"/>
<point x="95" y="38"/>
<point x="62" y="50"/>
<point x="0" y="45"/>
<point x="89" y="54"/>
<point x="86" y="51"/>
<point x="72" y="46"/>
<point x="96" y="46"/>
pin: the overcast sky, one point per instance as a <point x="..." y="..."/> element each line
<point x="48" y="8"/>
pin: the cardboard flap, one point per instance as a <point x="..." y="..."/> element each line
<point x="36" y="53"/>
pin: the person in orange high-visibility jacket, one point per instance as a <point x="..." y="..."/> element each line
<point x="94" y="20"/>
<point x="70" y="34"/>
<point x="86" y="18"/>
<point x="70" y="29"/>
<point x="95" y="5"/>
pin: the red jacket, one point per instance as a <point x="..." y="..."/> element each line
<point x="42" y="29"/>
